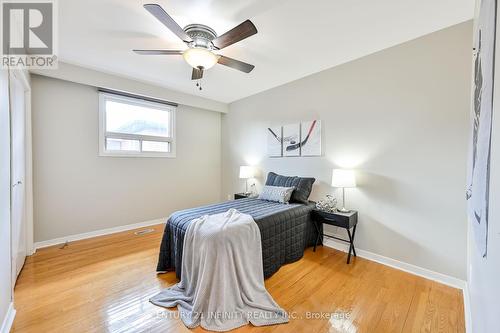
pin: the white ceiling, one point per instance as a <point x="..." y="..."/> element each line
<point x="296" y="37"/>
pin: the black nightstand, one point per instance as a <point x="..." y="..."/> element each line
<point x="347" y="221"/>
<point x="242" y="195"/>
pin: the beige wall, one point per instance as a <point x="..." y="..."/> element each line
<point x="400" y="117"/>
<point x="76" y="191"/>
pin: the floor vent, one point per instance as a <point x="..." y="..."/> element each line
<point x="143" y="232"/>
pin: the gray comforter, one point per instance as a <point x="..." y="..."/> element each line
<point x="222" y="285"/>
<point x="285" y="229"/>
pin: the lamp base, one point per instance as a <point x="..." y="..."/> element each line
<point x="343" y="210"/>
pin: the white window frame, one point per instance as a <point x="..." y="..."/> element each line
<point x="103" y="134"/>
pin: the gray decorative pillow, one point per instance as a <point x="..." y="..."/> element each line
<point x="303" y="185"/>
<point x="276" y="193"/>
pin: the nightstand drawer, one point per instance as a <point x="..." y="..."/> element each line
<point x="343" y="220"/>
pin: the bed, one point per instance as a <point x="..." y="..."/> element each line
<point x="286" y="231"/>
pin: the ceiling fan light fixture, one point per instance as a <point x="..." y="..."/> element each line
<point x="199" y="57"/>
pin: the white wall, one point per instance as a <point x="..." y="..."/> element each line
<point x="5" y="248"/>
<point x="400" y="117"/>
<point x="76" y="191"/>
<point x="484" y="273"/>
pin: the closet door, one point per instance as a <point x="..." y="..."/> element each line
<point x="18" y="172"/>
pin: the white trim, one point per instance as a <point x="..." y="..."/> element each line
<point x="9" y="319"/>
<point x="23" y="76"/>
<point x="103" y="134"/>
<point x="126" y="136"/>
<point x="403" y="266"/>
<point x="96" y="233"/>
<point x="28" y="168"/>
<point x="29" y="176"/>
<point x="467" y="309"/>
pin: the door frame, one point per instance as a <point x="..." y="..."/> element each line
<point x="24" y="77"/>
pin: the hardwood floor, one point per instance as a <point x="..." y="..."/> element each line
<point x="103" y="285"/>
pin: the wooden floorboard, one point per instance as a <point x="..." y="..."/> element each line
<point x="103" y="285"/>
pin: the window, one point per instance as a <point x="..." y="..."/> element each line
<point x="131" y="126"/>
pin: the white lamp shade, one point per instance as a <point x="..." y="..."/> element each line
<point x="247" y="172"/>
<point x="343" y="178"/>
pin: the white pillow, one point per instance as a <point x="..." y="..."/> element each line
<point x="276" y="193"/>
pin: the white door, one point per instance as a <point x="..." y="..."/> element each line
<point x="18" y="169"/>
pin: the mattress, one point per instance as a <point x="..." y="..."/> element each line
<point x="286" y="231"/>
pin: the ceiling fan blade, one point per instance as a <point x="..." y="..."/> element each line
<point x="240" y="32"/>
<point x="159" y="52"/>
<point x="197" y="74"/>
<point x="236" y="64"/>
<point x="169" y="22"/>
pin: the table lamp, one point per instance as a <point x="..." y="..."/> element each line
<point x="343" y="178"/>
<point x="246" y="172"/>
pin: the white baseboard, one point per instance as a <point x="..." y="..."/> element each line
<point x="102" y="232"/>
<point x="9" y="319"/>
<point x="409" y="268"/>
<point x="467" y="309"/>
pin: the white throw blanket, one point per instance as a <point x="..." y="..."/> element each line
<point x="222" y="284"/>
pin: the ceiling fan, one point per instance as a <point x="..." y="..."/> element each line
<point x="202" y="42"/>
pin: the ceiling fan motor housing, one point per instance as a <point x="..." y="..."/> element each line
<point x="202" y="35"/>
